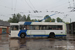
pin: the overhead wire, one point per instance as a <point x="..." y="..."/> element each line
<point x="69" y="3"/>
<point x="28" y="5"/>
<point x="31" y="4"/>
<point x="73" y="5"/>
<point x="15" y="5"/>
<point x="11" y="5"/>
<point x="73" y="2"/>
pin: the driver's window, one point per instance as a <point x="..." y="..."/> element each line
<point x="14" y="27"/>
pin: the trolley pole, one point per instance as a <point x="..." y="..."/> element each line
<point x="70" y="20"/>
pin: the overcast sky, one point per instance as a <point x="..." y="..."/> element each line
<point x="9" y="7"/>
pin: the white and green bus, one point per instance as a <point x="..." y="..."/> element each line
<point x="37" y="29"/>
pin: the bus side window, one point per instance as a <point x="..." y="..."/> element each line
<point x="50" y="27"/>
<point x="36" y="27"/>
<point x="30" y="27"/>
<point x="40" y="27"/>
<point x="59" y="27"/>
<point x="44" y="27"/>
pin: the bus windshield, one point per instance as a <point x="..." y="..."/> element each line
<point x="14" y="27"/>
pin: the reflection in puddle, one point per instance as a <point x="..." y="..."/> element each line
<point x="0" y="37"/>
<point x="4" y="42"/>
<point x="35" y="44"/>
<point x="39" y="44"/>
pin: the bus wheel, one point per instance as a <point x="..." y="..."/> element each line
<point x="52" y="35"/>
<point x="22" y="35"/>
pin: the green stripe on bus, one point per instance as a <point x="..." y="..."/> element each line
<point x="27" y="32"/>
<point x="45" y="34"/>
<point x="31" y="23"/>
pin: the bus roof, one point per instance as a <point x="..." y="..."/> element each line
<point x="14" y="23"/>
<point x="42" y="23"/>
<point x="37" y="23"/>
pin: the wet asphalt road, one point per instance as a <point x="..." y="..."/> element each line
<point x="4" y="42"/>
<point x="37" y="43"/>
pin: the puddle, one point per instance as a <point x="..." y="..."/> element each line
<point x="36" y="43"/>
<point x="39" y="44"/>
<point x="4" y="42"/>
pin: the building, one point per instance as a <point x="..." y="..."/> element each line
<point x="68" y="28"/>
<point x="4" y="27"/>
<point x="71" y="28"/>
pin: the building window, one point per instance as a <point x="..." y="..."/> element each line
<point x="3" y="30"/>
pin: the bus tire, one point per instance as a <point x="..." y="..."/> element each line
<point x="22" y="35"/>
<point x="52" y="35"/>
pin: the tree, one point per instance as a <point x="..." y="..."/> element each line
<point x="23" y="18"/>
<point x="1" y="20"/>
<point x="15" y="18"/>
<point x="28" y="18"/>
<point x="48" y="19"/>
<point x="32" y="20"/>
<point x="59" y="19"/>
<point x="18" y="17"/>
<point x="10" y="19"/>
<point x="53" y="20"/>
<point x="66" y="22"/>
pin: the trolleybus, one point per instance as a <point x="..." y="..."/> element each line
<point x="37" y="29"/>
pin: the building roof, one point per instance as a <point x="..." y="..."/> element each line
<point x="4" y="23"/>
